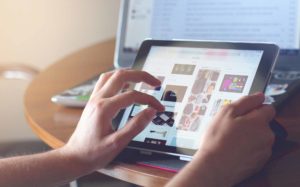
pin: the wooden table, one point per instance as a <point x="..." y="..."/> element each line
<point x="54" y="124"/>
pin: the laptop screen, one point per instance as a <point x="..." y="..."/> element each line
<point x="225" y="20"/>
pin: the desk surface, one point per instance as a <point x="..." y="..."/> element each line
<point x="54" y="124"/>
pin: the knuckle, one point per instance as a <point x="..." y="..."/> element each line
<point x="154" y="99"/>
<point x="229" y="109"/>
<point x="245" y="97"/>
<point x="104" y="75"/>
<point x="145" y="73"/>
<point x="146" y="117"/>
<point x="120" y="73"/>
<point x="140" y="120"/>
<point x="271" y="139"/>
<point x="115" y="142"/>
<point x="268" y="136"/>
<point x="150" y="98"/>
<point x="242" y="100"/>
<point x="100" y="104"/>
<point x="267" y="113"/>
<point x="133" y="93"/>
<point x="137" y="120"/>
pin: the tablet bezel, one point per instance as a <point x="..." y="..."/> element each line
<point x="266" y="66"/>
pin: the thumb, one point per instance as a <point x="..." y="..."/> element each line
<point x="134" y="127"/>
<point x="248" y="103"/>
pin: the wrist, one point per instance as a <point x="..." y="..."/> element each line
<point x="211" y="167"/>
<point x="77" y="164"/>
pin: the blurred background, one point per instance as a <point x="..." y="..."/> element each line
<point x="37" y="33"/>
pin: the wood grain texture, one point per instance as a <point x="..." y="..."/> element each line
<point x="54" y="124"/>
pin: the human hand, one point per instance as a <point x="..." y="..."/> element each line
<point x="237" y="144"/>
<point x="94" y="143"/>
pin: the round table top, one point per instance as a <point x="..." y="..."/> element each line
<point x="54" y="124"/>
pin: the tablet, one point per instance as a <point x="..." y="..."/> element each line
<point x="198" y="78"/>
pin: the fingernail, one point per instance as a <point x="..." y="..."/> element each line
<point x="162" y="108"/>
<point x="158" y="83"/>
<point x="258" y="93"/>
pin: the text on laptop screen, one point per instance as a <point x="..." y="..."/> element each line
<point x="274" y="21"/>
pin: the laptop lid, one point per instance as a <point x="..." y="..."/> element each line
<point x="223" y="20"/>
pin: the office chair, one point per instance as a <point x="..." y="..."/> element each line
<point x="11" y="143"/>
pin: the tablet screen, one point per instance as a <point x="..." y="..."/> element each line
<point x="196" y="83"/>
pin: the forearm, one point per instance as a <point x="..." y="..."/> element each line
<point x="51" y="168"/>
<point x="200" y="172"/>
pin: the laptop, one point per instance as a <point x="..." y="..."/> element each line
<point x="221" y="20"/>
